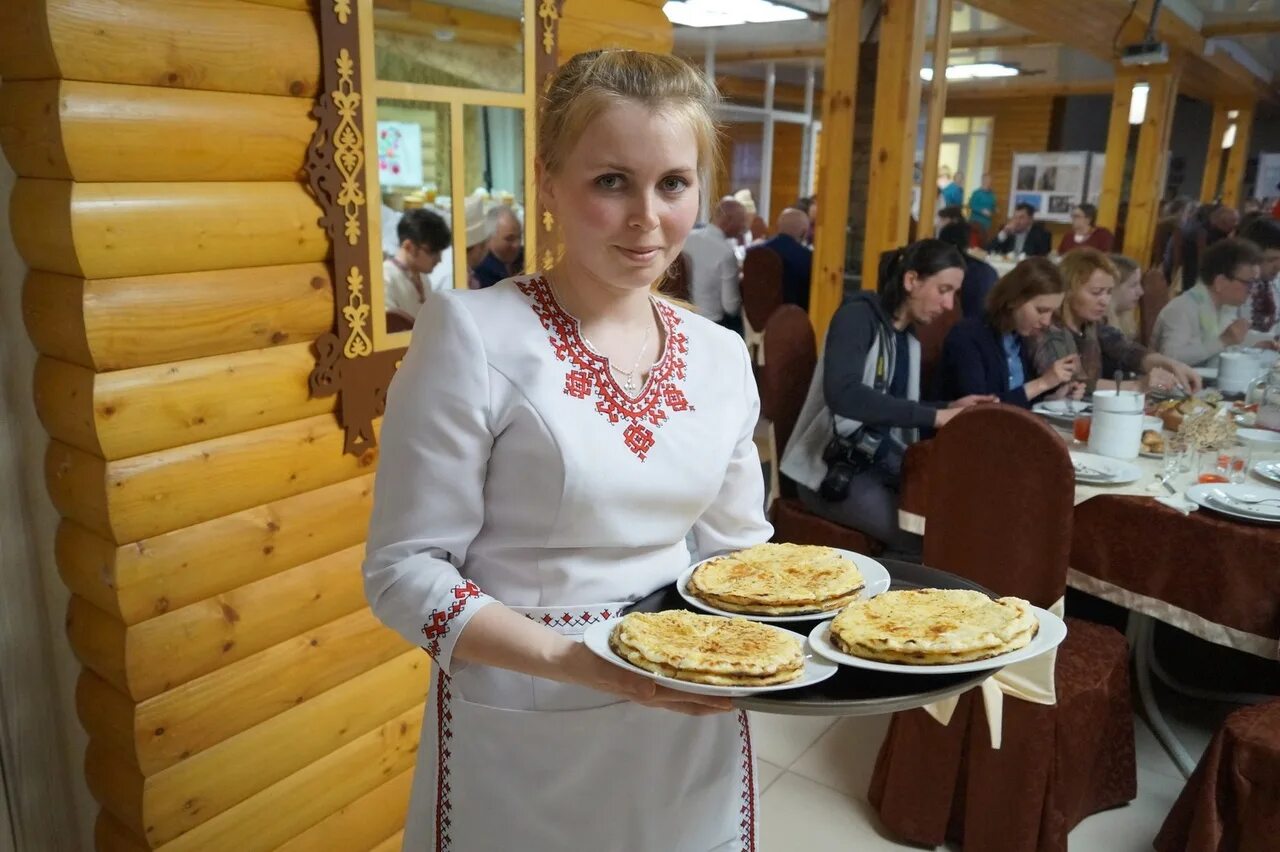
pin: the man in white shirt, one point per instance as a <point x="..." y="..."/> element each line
<point x="423" y="237"/>
<point x="714" y="266"/>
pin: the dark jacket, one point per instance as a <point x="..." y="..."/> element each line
<point x="973" y="362"/>
<point x="979" y="278"/>
<point x="491" y="271"/>
<point x="797" y="267"/>
<point x="1039" y="242"/>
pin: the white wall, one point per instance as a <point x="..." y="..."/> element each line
<point x="41" y="743"/>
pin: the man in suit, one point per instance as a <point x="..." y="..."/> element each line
<point x="1022" y="234"/>
<point x="505" y="246"/>
<point x="797" y="260"/>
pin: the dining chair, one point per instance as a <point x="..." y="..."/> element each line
<point x="1155" y="295"/>
<point x="790" y="359"/>
<point x="998" y="512"/>
<point x="761" y="294"/>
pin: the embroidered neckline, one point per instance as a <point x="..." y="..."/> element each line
<point x="590" y="376"/>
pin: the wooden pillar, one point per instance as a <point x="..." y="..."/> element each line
<point x="1117" y="149"/>
<point x="1213" y="155"/>
<point x="835" y="161"/>
<point x="893" y="135"/>
<point x="1238" y="157"/>
<point x="937" y="111"/>
<point x="1147" y="189"/>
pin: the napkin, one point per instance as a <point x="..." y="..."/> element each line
<point x="1030" y="680"/>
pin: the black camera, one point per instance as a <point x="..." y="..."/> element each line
<point x="846" y="456"/>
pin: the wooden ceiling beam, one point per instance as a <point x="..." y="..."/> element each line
<point x="1246" y="24"/>
<point x="997" y="38"/>
<point x="773" y="53"/>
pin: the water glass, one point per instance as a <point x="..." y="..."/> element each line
<point x="1239" y="464"/>
<point x="1179" y="457"/>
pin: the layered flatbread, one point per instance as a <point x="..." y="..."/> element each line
<point x="708" y="648"/>
<point x="777" y="579"/>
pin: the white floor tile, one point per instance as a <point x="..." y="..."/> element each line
<point x="767" y="773"/>
<point x="1133" y="827"/>
<point x="1151" y="754"/>
<point x="844" y="756"/>
<point x="782" y="739"/>
<point x="797" y="814"/>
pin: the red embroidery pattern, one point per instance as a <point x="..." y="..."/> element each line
<point x="444" y="732"/>
<point x="748" y="823"/>
<point x="590" y="374"/>
<point x="571" y="619"/>
<point x="438" y="626"/>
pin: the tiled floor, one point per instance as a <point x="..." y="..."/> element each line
<point x="814" y="774"/>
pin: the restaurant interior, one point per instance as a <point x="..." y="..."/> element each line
<point x="206" y="254"/>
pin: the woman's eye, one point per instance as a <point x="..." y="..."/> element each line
<point x="609" y="181"/>
<point x="673" y="184"/>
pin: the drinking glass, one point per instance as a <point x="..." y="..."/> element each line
<point x="1080" y="428"/>
<point x="1238" y="464"/>
<point x="1215" y="466"/>
<point x="1178" y="455"/>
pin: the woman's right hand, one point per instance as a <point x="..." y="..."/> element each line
<point x="1061" y="371"/>
<point x="583" y="667"/>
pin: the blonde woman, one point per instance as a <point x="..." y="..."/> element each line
<point x="1081" y="329"/>
<point x="1122" y="313"/>
<point x="548" y="445"/>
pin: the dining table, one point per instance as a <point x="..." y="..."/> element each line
<point x="1164" y="560"/>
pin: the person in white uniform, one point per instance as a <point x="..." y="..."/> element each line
<point x="423" y="238"/>
<point x="555" y="448"/>
<point x="716" y="288"/>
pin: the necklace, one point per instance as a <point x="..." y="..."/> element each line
<point x="629" y="377"/>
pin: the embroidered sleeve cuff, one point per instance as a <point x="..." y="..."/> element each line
<point x="444" y="626"/>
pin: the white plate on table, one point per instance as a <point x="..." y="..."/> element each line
<point x="816" y="668"/>
<point x="1059" y="408"/>
<point x="875" y="579"/>
<point x="1051" y="633"/>
<point x="1263" y="439"/>
<point x="1113" y="471"/>
<point x="1269" y="470"/>
<point x="1220" y="497"/>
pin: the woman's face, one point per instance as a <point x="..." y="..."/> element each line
<point x="931" y="297"/>
<point x="1126" y="295"/>
<point x="1035" y="314"/>
<point x="626" y="196"/>
<point x="1090" y="302"/>
<point x="1079" y="221"/>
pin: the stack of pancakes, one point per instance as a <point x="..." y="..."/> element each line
<point x="708" y="648"/>
<point x="927" y="627"/>
<point x="777" y="579"/>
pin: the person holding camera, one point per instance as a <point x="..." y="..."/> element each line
<point x="863" y="406"/>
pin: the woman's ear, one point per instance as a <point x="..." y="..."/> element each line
<point x="909" y="280"/>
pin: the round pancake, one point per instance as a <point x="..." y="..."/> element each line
<point x="783" y="575"/>
<point x="920" y="658"/>
<point x="934" y="621"/>
<point x="707" y="644"/>
<point x="765" y="609"/>
<point x="636" y="659"/>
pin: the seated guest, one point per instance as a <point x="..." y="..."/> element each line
<point x="1081" y="329"/>
<point x="991" y="354"/>
<point x="715" y="288"/>
<point x="423" y="237"/>
<point x="979" y="276"/>
<point x="863" y="405"/>
<point x="1123" y="310"/>
<point x="503" y="248"/>
<point x="1085" y="231"/>
<point x="1022" y="234"/>
<point x="1190" y="327"/>
<point x="1262" y="308"/>
<point x="797" y="261"/>
<point x="1210" y="225"/>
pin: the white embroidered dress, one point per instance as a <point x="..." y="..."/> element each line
<point x="515" y="468"/>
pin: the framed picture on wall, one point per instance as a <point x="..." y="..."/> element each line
<point x="1052" y="181"/>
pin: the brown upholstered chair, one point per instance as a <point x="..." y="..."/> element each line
<point x="790" y="358"/>
<point x="1231" y="803"/>
<point x="677" y="282"/>
<point x="999" y="511"/>
<point x="1155" y="295"/>
<point x="931" y="338"/>
<point x="761" y="293"/>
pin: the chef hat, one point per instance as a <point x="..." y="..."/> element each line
<point x="475" y="220"/>
<point x="744" y="197"/>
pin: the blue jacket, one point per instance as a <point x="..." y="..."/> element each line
<point x="973" y="361"/>
<point x="797" y="267"/>
<point x="491" y="271"/>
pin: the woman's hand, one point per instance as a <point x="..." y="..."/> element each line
<point x="1062" y="371"/>
<point x="584" y="668"/>
<point x="1164" y="373"/>
<point x="943" y="415"/>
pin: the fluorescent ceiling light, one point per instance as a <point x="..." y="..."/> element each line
<point x="973" y="71"/>
<point x="728" y="13"/>
<point x="1138" y="102"/>
<point x="1229" y="138"/>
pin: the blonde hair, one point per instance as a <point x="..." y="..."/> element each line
<point x="1128" y="321"/>
<point x="1077" y="267"/>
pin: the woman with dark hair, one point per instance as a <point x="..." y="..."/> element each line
<point x="991" y="354"/>
<point x="1085" y="231"/>
<point x="863" y="406"/>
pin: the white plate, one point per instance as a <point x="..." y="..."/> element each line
<point x="816" y="669"/>
<point x="1269" y="470"/>
<point x="1202" y="495"/>
<point x="1260" y="438"/>
<point x="1052" y="631"/>
<point x="875" y="579"/>
<point x="1118" y="472"/>
<point x="1058" y="408"/>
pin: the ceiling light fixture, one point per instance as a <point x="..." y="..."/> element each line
<point x="1229" y="138"/>
<point x="973" y="71"/>
<point x="1138" y="102"/>
<point x="728" y="13"/>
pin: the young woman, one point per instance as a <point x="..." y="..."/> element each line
<point x="864" y="403"/>
<point x="1085" y="232"/>
<point x="1123" y="310"/>
<point x="1081" y="329"/>
<point x="991" y="355"/>
<point x="548" y="445"/>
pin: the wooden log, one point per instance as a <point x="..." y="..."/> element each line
<point x="98" y="641"/>
<point x="364" y="824"/>
<point x="937" y="110"/>
<point x="1238" y="157"/>
<point x="130" y="412"/>
<point x="1146" y="189"/>
<point x="595" y="24"/>
<point x="107" y="230"/>
<point x="1213" y="156"/>
<point x="102" y="132"/>
<point x="220" y="45"/>
<point x="118" y="323"/>
<point x="216" y="780"/>
<point x="391" y="844"/>
<point x="134" y="582"/>
<point x="1117" y="153"/>
<point x="287" y="808"/>
<point x="26" y="49"/>
<point x="171" y="727"/>
<point x="114" y="785"/>
<point x="131" y="499"/>
<point x="110" y="835"/>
